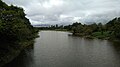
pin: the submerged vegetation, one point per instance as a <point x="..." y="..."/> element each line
<point x="16" y="32"/>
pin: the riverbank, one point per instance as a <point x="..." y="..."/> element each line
<point x="13" y="52"/>
<point x="16" y="32"/>
<point x="98" y="35"/>
<point x="9" y="53"/>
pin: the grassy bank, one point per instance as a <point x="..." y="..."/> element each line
<point x="98" y="35"/>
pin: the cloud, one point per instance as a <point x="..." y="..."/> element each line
<point x="68" y="11"/>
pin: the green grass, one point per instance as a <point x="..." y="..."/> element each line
<point x="101" y="35"/>
<point x="60" y="29"/>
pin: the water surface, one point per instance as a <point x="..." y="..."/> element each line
<point x="57" y="49"/>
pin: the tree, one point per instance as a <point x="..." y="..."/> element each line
<point x="14" y="26"/>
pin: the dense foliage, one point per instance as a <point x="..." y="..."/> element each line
<point x="15" y="30"/>
<point x="111" y="30"/>
<point x="14" y="26"/>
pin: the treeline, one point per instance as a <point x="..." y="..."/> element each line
<point x="110" y="30"/>
<point x="15" y="30"/>
<point x="53" y="27"/>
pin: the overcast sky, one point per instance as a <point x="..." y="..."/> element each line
<point x="68" y="11"/>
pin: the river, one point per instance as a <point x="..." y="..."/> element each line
<point x="57" y="49"/>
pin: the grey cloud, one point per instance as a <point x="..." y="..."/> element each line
<point x="49" y="11"/>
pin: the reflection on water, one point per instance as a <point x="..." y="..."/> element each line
<point x="25" y="59"/>
<point x="116" y="45"/>
<point x="57" y="49"/>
